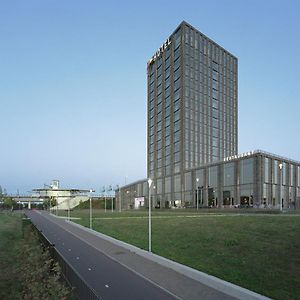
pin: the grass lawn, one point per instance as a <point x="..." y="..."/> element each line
<point x="10" y="243"/>
<point x="26" y="270"/>
<point x="259" y="252"/>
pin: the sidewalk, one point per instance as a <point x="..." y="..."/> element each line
<point x="184" y="282"/>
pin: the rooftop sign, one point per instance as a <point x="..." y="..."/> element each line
<point x="158" y="53"/>
<point x="246" y="154"/>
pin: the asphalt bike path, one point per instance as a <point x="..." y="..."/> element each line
<point x="115" y="272"/>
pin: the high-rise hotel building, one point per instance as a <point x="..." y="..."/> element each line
<point x="192" y="105"/>
<point x="192" y="145"/>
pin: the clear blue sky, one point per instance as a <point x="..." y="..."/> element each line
<point x="73" y="82"/>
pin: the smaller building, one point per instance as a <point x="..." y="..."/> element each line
<point x="254" y="179"/>
<point x="62" y="198"/>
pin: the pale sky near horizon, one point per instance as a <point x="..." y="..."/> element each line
<point x="73" y="82"/>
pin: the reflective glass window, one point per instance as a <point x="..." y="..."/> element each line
<point x="200" y="175"/>
<point x="188" y="181"/>
<point x="275" y="171"/>
<point x="159" y="186"/>
<point x="213" y="176"/>
<point x="177" y="183"/>
<point x="283" y="173"/>
<point x="229" y="174"/>
<point x="291" y="175"/>
<point x="267" y="169"/>
<point x="168" y="185"/>
<point x="246" y="171"/>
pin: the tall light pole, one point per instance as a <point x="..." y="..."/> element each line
<point x="120" y="199"/>
<point x="149" y="215"/>
<point x="68" y="208"/>
<point x="104" y="198"/>
<point x="112" y="201"/>
<point x="127" y="192"/>
<point x="197" y="179"/>
<point x="281" y="181"/>
<point x="91" y="210"/>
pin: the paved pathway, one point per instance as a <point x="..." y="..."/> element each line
<point x="115" y="272"/>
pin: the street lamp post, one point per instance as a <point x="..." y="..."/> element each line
<point x="197" y="205"/>
<point x="112" y="198"/>
<point x="280" y="193"/>
<point x="120" y="198"/>
<point x="128" y="201"/>
<point x="69" y="208"/>
<point x="91" y="210"/>
<point x="104" y="199"/>
<point x="149" y="215"/>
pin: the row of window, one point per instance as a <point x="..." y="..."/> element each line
<point x="210" y="176"/>
<point x="198" y="70"/>
<point x="275" y="170"/>
<point x="206" y="105"/>
<point x="198" y="41"/>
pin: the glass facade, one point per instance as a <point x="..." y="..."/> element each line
<point x="254" y="180"/>
<point x="192" y="134"/>
<point x="192" y="104"/>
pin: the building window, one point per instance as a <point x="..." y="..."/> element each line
<point x="177" y="39"/>
<point x="246" y="194"/>
<point x="292" y="175"/>
<point x="177" y="168"/>
<point x="283" y="173"/>
<point x="229" y="174"/>
<point x="246" y="171"/>
<point x="267" y="169"/>
<point x="188" y="181"/>
<point x="200" y="175"/>
<point x="213" y="176"/>
<point x="177" y="183"/>
<point x="159" y="186"/>
<point x="275" y="171"/>
<point x="168" y="185"/>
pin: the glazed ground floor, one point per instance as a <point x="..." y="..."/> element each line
<point x="254" y="179"/>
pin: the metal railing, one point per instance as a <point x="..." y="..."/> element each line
<point x="80" y="288"/>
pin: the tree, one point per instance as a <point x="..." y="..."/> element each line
<point x="9" y="202"/>
<point x="53" y="202"/>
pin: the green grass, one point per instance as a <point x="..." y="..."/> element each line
<point x="258" y="252"/>
<point x="26" y="269"/>
<point x="10" y="243"/>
